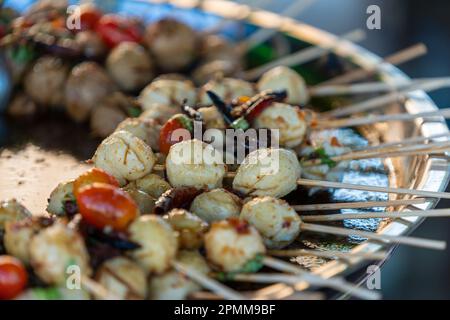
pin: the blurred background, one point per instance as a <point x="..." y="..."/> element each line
<point x="410" y="273"/>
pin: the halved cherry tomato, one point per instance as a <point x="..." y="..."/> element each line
<point x="166" y="136"/>
<point x="91" y="176"/>
<point x="13" y="277"/>
<point x="88" y="16"/>
<point x="103" y="205"/>
<point x="114" y="29"/>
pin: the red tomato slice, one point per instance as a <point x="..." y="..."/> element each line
<point x="13" y="277"/>
<point x="92" y="176"/>
<point x="103" y="205"/>
<point x="166" y="137"/>
<point x="114" y="29"/>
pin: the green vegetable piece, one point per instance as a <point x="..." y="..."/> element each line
<point x="325" y="158"/>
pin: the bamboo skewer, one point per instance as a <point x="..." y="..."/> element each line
<point x="359" y="121"/>
<point x="439" y="213"/>
<point x="340" y="185"/>
<point x="411" y="241"/>
<point x="368" y="87"/>
<point x="328" y="254"/>
<point x="387" y="99"/>
<point x="208" y="283"/>
<point x="404" y="142"/>
<point x="395" y="59"/>
<point x="357" y="205"/>
<point x="263" y="35"/>
<point x="304" y="56"/>
<point x="335" y="283"/>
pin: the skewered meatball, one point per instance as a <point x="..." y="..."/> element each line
<point x="174" y="44"/>
<point x="193" y="163"/>
<point x="212" y="118"/>
<point x="167" y="92"/>
<point x="129" y="64"/>
<point x="158" y="241"/>
<point x="226" y="88"/>
<point x="142" y="199"/>
<point x="91" y="44"/>
<point x="289" y="120"/>
<point x="216" y="205"/>
<point x="153" y="185"/>
<point x="22" y="106"/>
<point x="54" y="249"/>
<point x="108" y="114"/>
<point x="59" y="196"/>
<point x="145" y="129"/>
<point x="124" y="156"/>
<point x="123" y="278"/>
<point x="211" y="70"/>
<point x="174" y="285"/>
<point x="87" y="85"/>
<point x="12" y="210"/>
<point x="284" y="78"/>
<point x="232" y="244"/>
<point x="190" y="228"/>
<point x="268" y="172"/>
<point x="161" y="113"/>
<point x="215" y="47"/>
<point x="17" y="238"/>
<point x="45" y="82"/>
<point x="275" y="219"/>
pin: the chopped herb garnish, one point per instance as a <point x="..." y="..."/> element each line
<point x="325" y="158"/>
<point x="134" y="112"/>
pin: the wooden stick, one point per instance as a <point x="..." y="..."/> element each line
<point x="367" y="87"/>
<point x="328" y="254"/>
<point x="263" y="35"/>
<point x="340" y="185"/>
<point x="389" y="152"/>
<point x="387" y="99"/>
<point x="370" y="215"/>
<point x="404" y="142"/>
<point x="336" y="283"/>
<point x="359" y="121"/>
<point x="357" y="205"/>
<point x="208" y="283"/>
<point x="395" y="59"/>
<point x="411" y="241"/>
<point x="96" y="289"/>
<point x="305" y="55"/>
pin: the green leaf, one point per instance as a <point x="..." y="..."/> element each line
<point x="134" y="112"/>
<point x="47" y="293"/>
<point x="325" y="158"/>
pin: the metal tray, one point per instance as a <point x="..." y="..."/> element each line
<point x="30" y="171"/>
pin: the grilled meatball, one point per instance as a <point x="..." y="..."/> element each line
<point x="284" y="78"/>
<point x="216" y="205"/>
<point x="212" y="118"/>
<point x="268" y="172"/>
<point x="17" y="237"/>
<point x="174" y="285"/>
<point x="226" y="88"/>
<point x="46" y="80"/>
<point x="153" y="185"/>
<point x="289" y="120"/>
<point x="22" y="106"/>
<point x="12" y="210"/>
<point x="231" y="244"/>
<point x="130" y="65"/>
<point x="158" y="241"/>
<point x="124" y="156"/>
<point x="275" y="219"/>
<point x="87" y="85"/>
<point x="193" y="163"/>
<point x="190" y="228"/>
<point x="56" y="248"/>
<point x="145" y="129"/>
<point x="91" y="44"/>
<point x="105" y="118"/>
<point x="161" y="113"/>
<point x="145" y="202"/>
<point x="167" y="92"/>
<point x="172" y="43"/>
<point x="59" y="196"/>
<point x="123" y="278"/>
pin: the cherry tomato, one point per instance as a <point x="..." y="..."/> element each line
<point x="166" y="137"/>
<point x="103" y="205"/>
<point x="115" y="29"/>
<point x="13" y="277"/>
<point x="88" y="16"/>
<point x="91" y="176"/>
